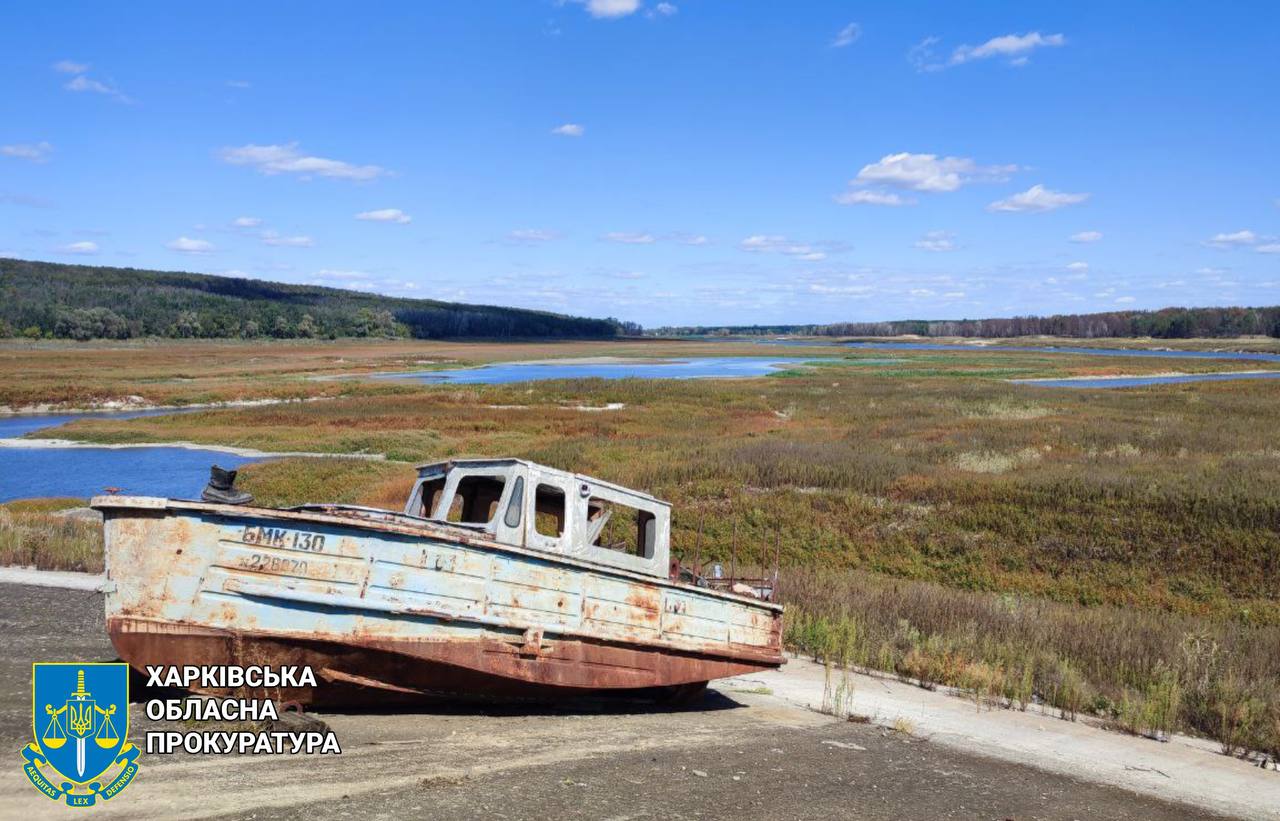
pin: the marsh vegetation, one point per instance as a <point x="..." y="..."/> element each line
<point x="1105" y="552"/>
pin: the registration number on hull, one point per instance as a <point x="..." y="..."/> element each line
<point x="284" y="538"/>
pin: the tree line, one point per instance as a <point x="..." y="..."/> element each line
<point x="44" y="300"/>
<point x="1167" y="323"/>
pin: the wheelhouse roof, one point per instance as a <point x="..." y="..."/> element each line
<point x="508" y="461"/>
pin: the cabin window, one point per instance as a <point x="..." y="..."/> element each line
<point x="476" y="499"/>
<point x="516" y="505"/>
<point x="549" y="511"/>
<point x="431" y="490"/>
<point x="619" y="527"/>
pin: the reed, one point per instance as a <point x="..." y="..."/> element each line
<point x="1106" y="552"/>
<point x="38" y="535"/>
<point x="1146" y="673"/>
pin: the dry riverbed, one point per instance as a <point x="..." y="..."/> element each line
<point x="754" y="749"/>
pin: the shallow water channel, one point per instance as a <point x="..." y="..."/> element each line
<point x="39" y="471"/>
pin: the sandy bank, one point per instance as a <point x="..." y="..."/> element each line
<point x="128" y="404"/>
<point x="252" y="453"/>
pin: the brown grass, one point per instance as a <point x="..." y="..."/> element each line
<point x="1147" y="673"/>
<point x="37" y="536"/>
<point x="1112" y="552"/>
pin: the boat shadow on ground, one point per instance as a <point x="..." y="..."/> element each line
<point x="619" y="704"/>
<point x="637" y="702"/>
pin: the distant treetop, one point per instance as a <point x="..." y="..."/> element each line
<point x="1166" y="323"/>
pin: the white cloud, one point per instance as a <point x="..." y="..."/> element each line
<point x="1077" y="266"/>
<point x="762" y="242"/>
<point x="385" y="215"/>
<point x="286" y="159"/>
<point x="239" y="84"/>
<point x="1268" y="248"/>
<point x="666" y="9"/>
<point x="335" y="274"/>
<point x="84" y="248"/>
<point x="937" y="241"/>
<point x="847" y="36"/>
<point x="865" y="197"/>
<point x="691" y="239"/>
<point x="1235" y="239"/>
<point x="569" y="130"/>
<point x="778" y="244"/>
<point x="1037" y="198"/>
<point x="275" y="239"/>
<point x="82" y="83"/>
<point x="929" y="172"/>
<point x="1086" y="236"/>
<point x="246" y="222"/>
<point x="923" y="57"/>
<point x="1016" y="47"/>
<point x="629" y="238"/>
<point x="35" y="152"/>
<point x="1124" y="299"/>
<point x="70" y="67"/>
<point x="186" y="245"/>
<point x="610" y="8"/>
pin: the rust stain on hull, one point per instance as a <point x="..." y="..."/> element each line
<point x="371" y="672"/>
<point x="391" y="606"/>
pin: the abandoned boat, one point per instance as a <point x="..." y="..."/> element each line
<point x="500" y="577"/>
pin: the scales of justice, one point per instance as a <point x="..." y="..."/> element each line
<point x="83" y="719"/>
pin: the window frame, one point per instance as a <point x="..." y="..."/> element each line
<point x="532" y="536"/>
<point x="645" y="539"/>
<point x="455" y="477"/>
<point x="652" y="562"/>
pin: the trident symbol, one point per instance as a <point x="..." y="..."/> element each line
<point x="82" y="712"/>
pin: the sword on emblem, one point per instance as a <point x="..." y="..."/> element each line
<point x="80" y="719"/>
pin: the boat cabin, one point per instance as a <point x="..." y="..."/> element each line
<point x="528" y="505"/>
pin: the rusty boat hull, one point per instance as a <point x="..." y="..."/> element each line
<point x="387" y="608"/>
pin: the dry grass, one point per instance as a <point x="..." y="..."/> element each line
<point x="1164" y="498"/>
<point x="1146" y="673"/>
<point x="1112" y="552"/>
<point x="35" y="535"/>
<point x="171" y="372"/>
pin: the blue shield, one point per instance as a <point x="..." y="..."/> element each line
<point x="80" y="717"/>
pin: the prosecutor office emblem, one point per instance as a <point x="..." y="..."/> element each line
<point x="80" y="721"/>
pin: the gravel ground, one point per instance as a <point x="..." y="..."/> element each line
<point x="742" y="754"/>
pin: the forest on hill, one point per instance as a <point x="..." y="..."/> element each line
<point x="45" y="300"/>
<point x="1166" y="323"/>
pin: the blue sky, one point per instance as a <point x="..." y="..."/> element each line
<point x="670" y="163"/>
